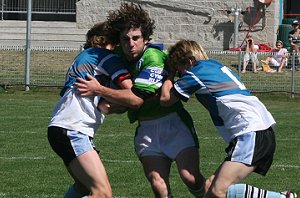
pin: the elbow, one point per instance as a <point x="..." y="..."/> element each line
<point x="164" y="101"/>
<point x="137" y="103"/>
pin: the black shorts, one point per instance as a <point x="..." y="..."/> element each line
<point x="253" y="149"/>
<point x="69" y="144"/>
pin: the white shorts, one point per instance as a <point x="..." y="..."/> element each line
<point x="166" y="136"/>
<point x="250" y="56"/>
<point x="275" y="63"/>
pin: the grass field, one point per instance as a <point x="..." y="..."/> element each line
<point x="29" y="168"/>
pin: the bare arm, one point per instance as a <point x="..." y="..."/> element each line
<point x="167" y="98"/>
<point x="126" y="84"/>
<point x="108" y="108"/>
<point x="124" y="97"/>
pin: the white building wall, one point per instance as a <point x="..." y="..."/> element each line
<point x="205" y="21"/>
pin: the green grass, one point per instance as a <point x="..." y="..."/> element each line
<point x="29" y="168"/>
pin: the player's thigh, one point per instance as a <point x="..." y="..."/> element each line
<point x="230" y="173"/>
<point x="89" y="170"/>
<point x="156" y="165"/>
<point x="188" y="160"/>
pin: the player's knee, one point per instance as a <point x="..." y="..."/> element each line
<point x="157" y="182"/>
<point x="214" y="192"/>
<point x="194" y="181"/>
<point x="187" y="177"/>
<point x="104" y="191"/>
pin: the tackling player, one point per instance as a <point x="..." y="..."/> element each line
<point x="240" y="118"/>
<point x="75" y="119"/>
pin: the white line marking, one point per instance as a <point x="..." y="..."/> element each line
<point x="22" y="158"/>
<point x="18" y="132"/>
<point x="137" y="161"/>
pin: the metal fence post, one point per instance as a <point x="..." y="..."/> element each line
<point x="293" y="74"/>
<point x="239" y="61"/>
<point x="28" y="42"/>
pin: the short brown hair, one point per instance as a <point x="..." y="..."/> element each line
<point x="100" y="35"/>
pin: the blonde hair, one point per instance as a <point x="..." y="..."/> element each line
<point x="183" y="51"/>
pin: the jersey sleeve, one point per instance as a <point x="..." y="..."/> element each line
<point x="186" y="86"/>
<point x="113" y="68"/>
<point x="152" y="73"/>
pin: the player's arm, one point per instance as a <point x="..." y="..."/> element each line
<point x="124" y="97"/>
<point x="167" y="97"/>
<point x="107" y="107"/>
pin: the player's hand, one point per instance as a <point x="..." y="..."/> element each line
<point x="89" y="87"/>
<point x="109" y="108"/>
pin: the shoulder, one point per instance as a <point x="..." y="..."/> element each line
<point x="154" y="56"/>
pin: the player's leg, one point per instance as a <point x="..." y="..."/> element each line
<point x="77" y="190"/>
<point x="245" y="190"/>
<point x="87" y="167"/>
<point x="156" y="164"/>
<point x="89" y="170"/>
<point x="61" y="144"/>
<point x="226" y="183"/>
<point x="188" y="167"/>
<point x="227" y="174"/>
<point x="157" y="170"/>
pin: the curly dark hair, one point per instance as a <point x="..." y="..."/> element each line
<point x="100" y="35"/>
<point x="131" y="16"/>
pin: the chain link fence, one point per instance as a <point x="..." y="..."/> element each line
<point x="48" y="66"/>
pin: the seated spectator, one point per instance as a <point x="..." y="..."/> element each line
<point x="279" y="59"/>
<point x="250" y="55"/>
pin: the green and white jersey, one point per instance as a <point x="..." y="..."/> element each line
<point x="148" y="76"/>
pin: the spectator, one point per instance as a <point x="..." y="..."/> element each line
<point x="279" y="59"/>
<point x="250" y="55"/>
<point x="294" y="37"/>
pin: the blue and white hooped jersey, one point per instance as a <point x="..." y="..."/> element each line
<point x="74" y="112"/>
<point x="233" y="109"/>
<point x="94" y="61"/>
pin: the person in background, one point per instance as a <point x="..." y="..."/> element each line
<point x="294" y="38"/>
<point x="75" y="119"/>
<point x="250" y="54"/>
<point x="163" y="134"/>
<point x="279" y="59"/>
<point x="241" y="119"/>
